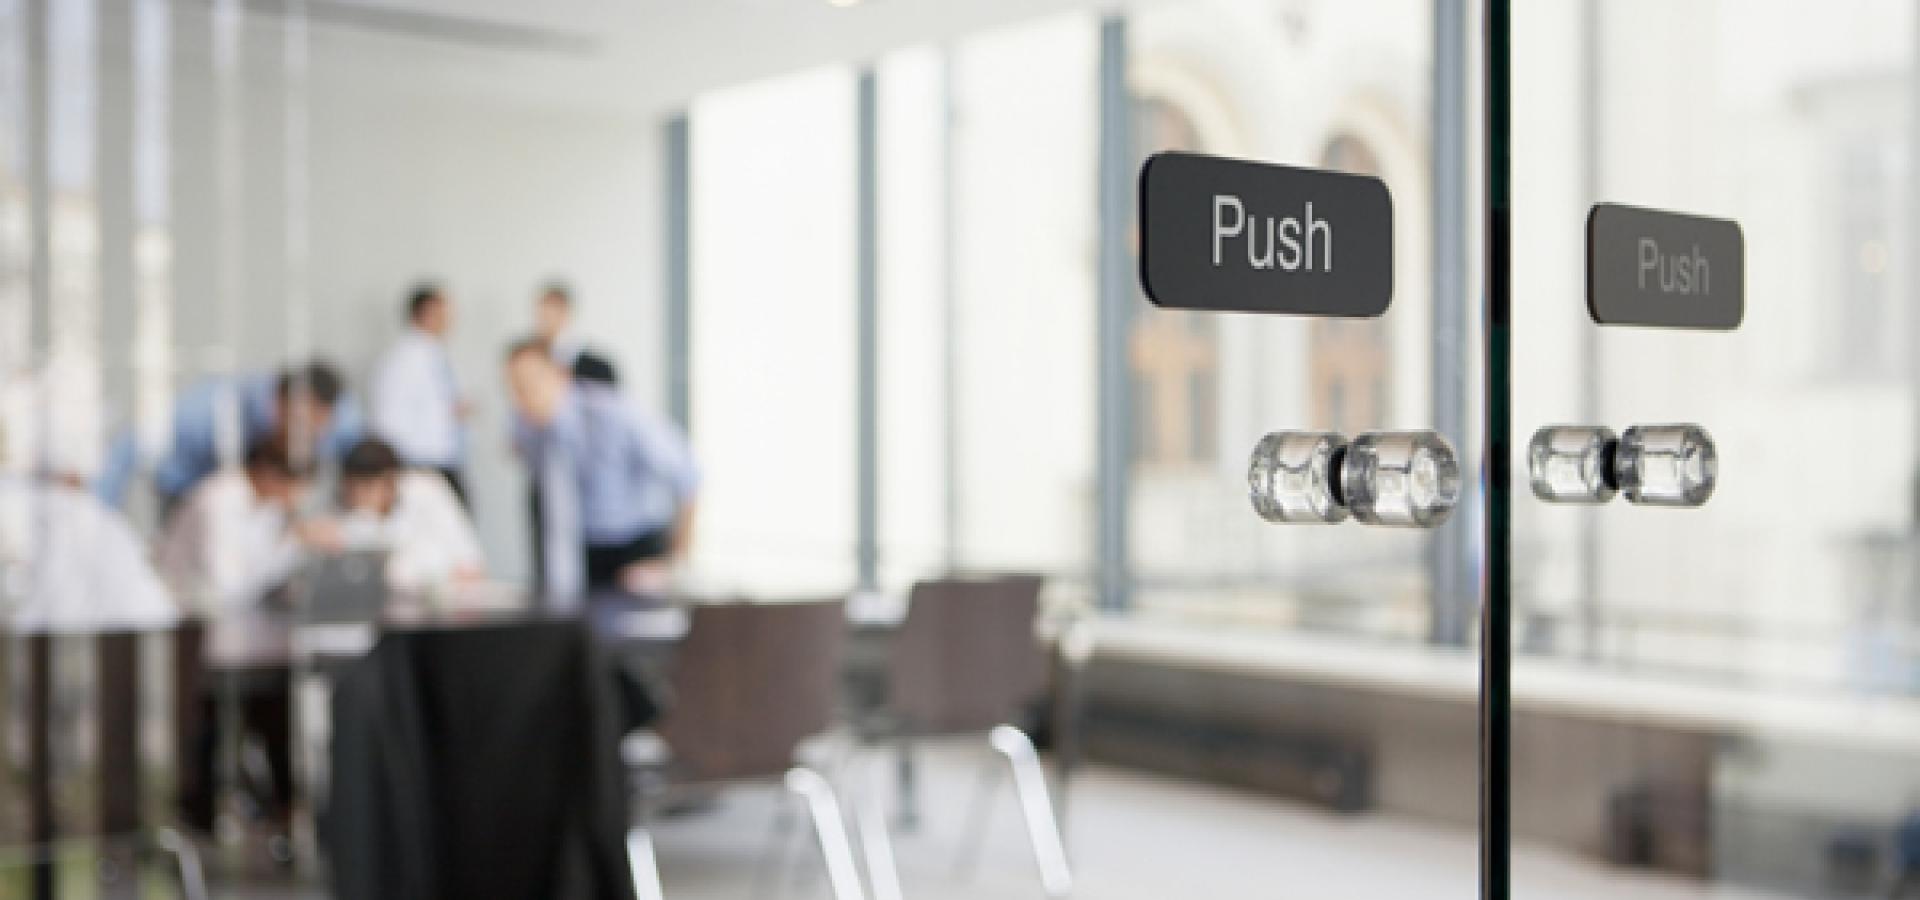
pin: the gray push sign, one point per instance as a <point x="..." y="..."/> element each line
<point x="1237" y="236"/>
<point x="1667" y="270"/>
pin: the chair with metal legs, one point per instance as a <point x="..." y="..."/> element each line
<point x="748" y="684"/>
<point x="966" y="661"/>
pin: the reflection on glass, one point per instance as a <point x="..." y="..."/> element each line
<point x="72" y="380"/>
<point x="230" y="167"/>
<point x="153" y="355"/>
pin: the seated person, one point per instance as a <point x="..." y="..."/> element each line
<point x="69" y="562"/>
<point x="76" y="564"/>
<point x="237" y="536"/>
<point x="231" y="546"/>
<point x="413" y="514"/>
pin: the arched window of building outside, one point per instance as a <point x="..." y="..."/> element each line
<point x="1173" y="356"/>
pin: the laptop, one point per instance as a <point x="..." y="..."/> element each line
<point x="346" y="588"/>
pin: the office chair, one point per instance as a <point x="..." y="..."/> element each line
<point x="966" y="662"/>
<point x="477" y="761"/>
<point x="748" y="684"/>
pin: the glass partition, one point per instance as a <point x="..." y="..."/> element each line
<point x="1722" y="699"/>
<point x="882" y="258"/>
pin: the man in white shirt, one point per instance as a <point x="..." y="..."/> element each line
<point x="412" y="515"/>
<point x="75" y="563"/>
<point x="233" y="543"/>
<point x="418" y="407"/>
<point x="68" y="562"/>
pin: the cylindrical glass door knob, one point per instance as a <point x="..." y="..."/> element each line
<point x="1293" y="477"/>
<point x="1408" y="479"/>
<point x="1666" y="465"/>
<point x="1572" y="464"/>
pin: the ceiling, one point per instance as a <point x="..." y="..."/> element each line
<point x="628" y="54"/>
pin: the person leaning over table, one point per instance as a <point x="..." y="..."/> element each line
<point x="617" y="483"/>
<point x="226" y="552"/>
<point x="410" y="513"/>
<point x="553" y="326"/>
<point x="306" y="408"/>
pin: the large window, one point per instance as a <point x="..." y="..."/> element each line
<point x="773" y="332"/>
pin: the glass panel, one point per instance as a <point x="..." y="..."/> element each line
<point x="1205" y="388"/>
<point x="1721" y="700"/>
<point x="198" y="199"/>
<point x="1284" y="635"/>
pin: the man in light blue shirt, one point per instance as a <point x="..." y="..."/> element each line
<point x="308" y="403"/>
<point x="616" y="481"/>
<point x="418" y="407"/>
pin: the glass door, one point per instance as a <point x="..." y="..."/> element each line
<point x="1715" y="631"/>
<point x="1313" y="666"/>
<point x="963" y="337"/>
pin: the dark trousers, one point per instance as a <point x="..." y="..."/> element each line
<point x="264" y="705"/>
<point x="605" y="562"/>
<point x="539" y="530"/>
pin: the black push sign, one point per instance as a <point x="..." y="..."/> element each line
<point x="1237" y="236"/>
<point x="1668" y="270"/>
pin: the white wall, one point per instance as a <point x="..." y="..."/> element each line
<point x="490" y="199"/>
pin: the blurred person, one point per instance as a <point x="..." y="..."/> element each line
<point x="412" y="514"/>
<point x="418" y="407"/>
<point x="72" y="563"/>
<point x="305" y="408"/>
<point x="79" y="566"/>
<point x="228" y="552"/>
<point x="238" y="536"/>
<point x="553" y="325"/>
<point x="617" y="483"/>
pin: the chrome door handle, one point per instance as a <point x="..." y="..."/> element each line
<point x="1573" y="463"/>
<point x="1666" y="465"/>
<point x="1651" y="465"/>
<point x="1402" y="479"/>
<point x="1294" y="476"/>
<point x="1406" y="479"/>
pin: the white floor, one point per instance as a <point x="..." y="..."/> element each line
<point x="1134" y="836"/>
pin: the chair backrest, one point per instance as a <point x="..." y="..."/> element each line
<point x="478" y="762"/>
<point x="966" y="658"/>
<point x="750" y="681"/>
